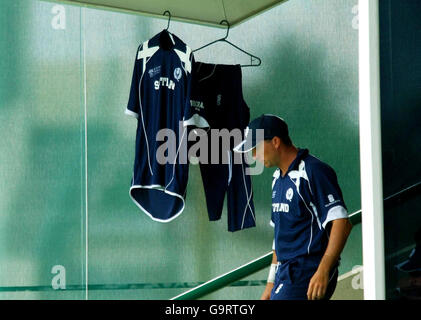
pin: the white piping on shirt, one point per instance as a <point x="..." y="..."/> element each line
<point x="176" y="155"/>
<point x="312" y="217"/>
<point x="248" y="198"/>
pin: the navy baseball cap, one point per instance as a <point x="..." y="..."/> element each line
<point x="262" y="128"/>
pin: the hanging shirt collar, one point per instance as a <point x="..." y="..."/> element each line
<point x="166" y="40"/>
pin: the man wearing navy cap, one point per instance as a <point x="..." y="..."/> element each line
<point x="308" y="214"/>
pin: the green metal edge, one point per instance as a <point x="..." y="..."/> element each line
<point x="133" y="12"/>
<point x="128" y="286"/>
<point x="257" y="13"/>
<point x="76" y="3"/>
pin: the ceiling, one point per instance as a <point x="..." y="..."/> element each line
<point x="204" y="12"/>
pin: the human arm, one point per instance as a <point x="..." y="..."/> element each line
<point x="270" y="284"/>
<point x="339" y="233"/>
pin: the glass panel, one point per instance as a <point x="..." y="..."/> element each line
<point x="309" y="76"/>
<point x="58" y="60"/>
<point x="41" y="152"/>
<point x="400" y="35"/>
<point x="121" y="252"/>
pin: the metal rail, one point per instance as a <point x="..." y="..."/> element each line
<point x="227" y="278"/>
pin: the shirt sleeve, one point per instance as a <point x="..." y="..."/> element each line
<point x="329" y="203"/>
<point x="133" y="106"/>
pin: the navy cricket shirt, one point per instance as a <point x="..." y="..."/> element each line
<point x="159" y="98"/>
<point x="304" y="201"/>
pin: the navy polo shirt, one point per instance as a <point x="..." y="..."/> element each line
<point x="304" y="201"/>
<point x="159" y="98"/>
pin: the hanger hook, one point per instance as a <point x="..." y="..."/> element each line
<point x="228" y="25"/>
<point x="169" y="18"/>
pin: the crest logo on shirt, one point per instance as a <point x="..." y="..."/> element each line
<point x="289" y="194"/>
<point x="331" y="200"/>
<point x="177" y="74"/>
<point x="154" y="71"/>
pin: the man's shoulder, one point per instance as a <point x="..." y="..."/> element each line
<point x="314" y="165"/>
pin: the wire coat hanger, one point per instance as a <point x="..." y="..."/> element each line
<point x="224" y="39"/>
<point x="166" y="31"/>
<point x="169" y="18"/>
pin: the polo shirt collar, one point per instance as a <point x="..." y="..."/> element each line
<point x="302" y="153"/>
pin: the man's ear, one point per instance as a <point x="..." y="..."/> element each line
<point x="276" y="142"/>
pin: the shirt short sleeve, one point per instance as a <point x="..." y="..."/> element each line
<point x="133" y="106"/>
<point x="327" y="194"/>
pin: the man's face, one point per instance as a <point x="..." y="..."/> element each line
<point x="266" y="153"/>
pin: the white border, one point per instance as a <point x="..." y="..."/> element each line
<point x="335" y="213"/>
<point x="131" y="113"/>
<point x="197" y="121"/>
<point x="370" y="151"/>
<point x="159" y="188"/>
